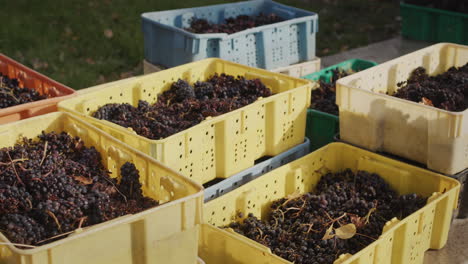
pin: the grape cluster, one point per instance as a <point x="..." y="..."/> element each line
<point x="448" y="90"/>
<point x="184" y="105"/>
<point x="233" y="24"/>
<point x="12" y="94"/>
<point x="297" y="224"/>
<point x="324" y="97"/>
<point x="54" y="185"/>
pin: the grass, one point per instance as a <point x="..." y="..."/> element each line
<point x="84" y="43"/>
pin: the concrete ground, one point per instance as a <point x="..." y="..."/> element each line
<point x="456" y="250"/>
<point x="378" y="52"/>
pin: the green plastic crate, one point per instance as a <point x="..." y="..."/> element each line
<point x="434" y="25"/>
<point x="321" y="127"/>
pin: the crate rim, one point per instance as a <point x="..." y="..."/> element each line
<point x="208" y="120"/>
<point x="433" y="109"/>
<point x="26" y="106"/>
<point x="434" y="10"/>
<point x="225" y="36"/>
<point x="111" y="223"/>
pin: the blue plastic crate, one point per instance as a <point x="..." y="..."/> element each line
<point x="243" y="177"/>
<point x="268" y="47"/>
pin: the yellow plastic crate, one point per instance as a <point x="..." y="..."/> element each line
<point x="374" y="120"/>
<point x="220" y="146"/>
<point x="402" y="241"/>
<point x="222" y="246"/>
<point x="164" y="234"/>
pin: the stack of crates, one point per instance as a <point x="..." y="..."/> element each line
<point x="322" y="127"/>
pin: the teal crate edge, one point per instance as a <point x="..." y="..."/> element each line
<point x="316" y="75"/>
<point x="313" y="111"/>
<point x="433" y="10"/>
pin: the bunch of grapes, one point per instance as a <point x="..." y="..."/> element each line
<point x="448" y="90"/>
<point x="184" y="105"/>
<point x="233" y="24"/>
<point x="12" y="94"/>
<point x="300" y="227"/>
<point x="54" y="185"/>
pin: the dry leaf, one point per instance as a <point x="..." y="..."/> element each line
<point x="83" y="180"/>
<point x="426" y="101"/>
<point x="108" y="33"/>
<point x="328" y="233"/>
<point x="346" y="231"/>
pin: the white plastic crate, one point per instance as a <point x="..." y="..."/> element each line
<point x="371" y="118"/>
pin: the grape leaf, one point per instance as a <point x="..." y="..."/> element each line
<point x="346" y="231"/>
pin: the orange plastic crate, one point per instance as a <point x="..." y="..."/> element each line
<point x="31" y="79"/>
